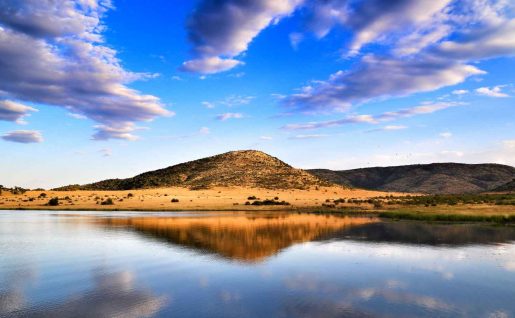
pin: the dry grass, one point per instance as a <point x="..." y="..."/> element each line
<point x="220" y="198"/>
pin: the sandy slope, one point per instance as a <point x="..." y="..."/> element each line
<point x="160" y="199"/>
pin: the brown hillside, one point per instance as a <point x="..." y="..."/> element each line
<point x="245" y="168"/>
<point x="435" y="178"/>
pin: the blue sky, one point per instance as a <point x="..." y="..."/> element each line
<point x="95" y="89"/>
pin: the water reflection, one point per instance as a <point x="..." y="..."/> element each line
<point x="249" y="238"/>
<point x="78" y="264"/>
<point x="360" y="302"/>
<point x="421" y="233"/>
<point x="112" y="295"/>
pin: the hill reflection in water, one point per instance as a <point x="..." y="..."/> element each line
<point x="242" y="237"/>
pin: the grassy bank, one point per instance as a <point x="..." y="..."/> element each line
<point x="446" y="217"/>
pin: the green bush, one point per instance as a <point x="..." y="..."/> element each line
<point x="53" y="201"/>
<point x="107" y="201"/>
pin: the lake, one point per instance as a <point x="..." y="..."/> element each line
<point x="236" y="264"/>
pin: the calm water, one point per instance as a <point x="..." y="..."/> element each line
<point x="250" y="265"/>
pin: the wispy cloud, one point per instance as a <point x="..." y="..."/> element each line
<point x="106" y="152"/>
<point x="445" y="134"/>
<point x="229" y="101"/>
<point x="23" y="136"/>
<point x="312" y="136"/>
<point x="204" y="131"/>
<point x="368" y="82"/>
<point x="295" y="39"/>
<point x="437" y="42"/>
<point x="373" y="20"/>
<point x="53" y="53"/>
<point x="236" y="100"/>
<point x="375" y="119"/>
<point x="208" y="105"/>
<point x="389" y="128"/>
<point x="77" y="116"/>
<point x="492" y="91"/>
<point x="333" y="123"/>
<point x="460" y="92"/>
<point x="226" y="116"/>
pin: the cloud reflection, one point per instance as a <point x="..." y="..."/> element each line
<point x="112" y="295"/>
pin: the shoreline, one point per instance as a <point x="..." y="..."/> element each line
<point x="328" y="200"/>
<point x="395" y="214"/>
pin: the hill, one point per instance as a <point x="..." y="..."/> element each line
<point x="509" y="187"/>
<point x="245" y="168"/>
<point x="435" y="178"/>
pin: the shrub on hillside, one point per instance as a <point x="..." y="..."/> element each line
<point x="53" y="201"/>
<point x="107" y="201"/>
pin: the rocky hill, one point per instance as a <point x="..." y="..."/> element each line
<point x="246" y="168"/>
<point x="435" y="178"/>
<point x="507" y="187"/>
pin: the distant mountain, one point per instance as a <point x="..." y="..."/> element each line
<point x="246" y="168"/>
<point x="435" y="178"/>
<point x="508" y="187"/>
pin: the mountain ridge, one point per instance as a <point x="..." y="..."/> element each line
<point x="434" y="178"/>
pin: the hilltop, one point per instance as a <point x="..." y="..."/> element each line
<point x="244" y="168"/>
<point x="435" y="178"/>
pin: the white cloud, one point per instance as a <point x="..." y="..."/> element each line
<point x="23" y="136"/>
<point x="460" y="92"/>
<point x="210" y="65"/>
<point x="226" y="116"/>
<point x="124" y="132"/>
<point x="372" y="19"/>
<point x="53" y="53"/>
<point x="491" y="92"/>
<point x="437" y="40"/>
<point x="445" y="134"/>
<point x="13" y="111"/>
<point x="222" y="30"/>
<point x="367" y="81"/>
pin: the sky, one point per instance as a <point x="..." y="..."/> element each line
<point x="96" y="89"/>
